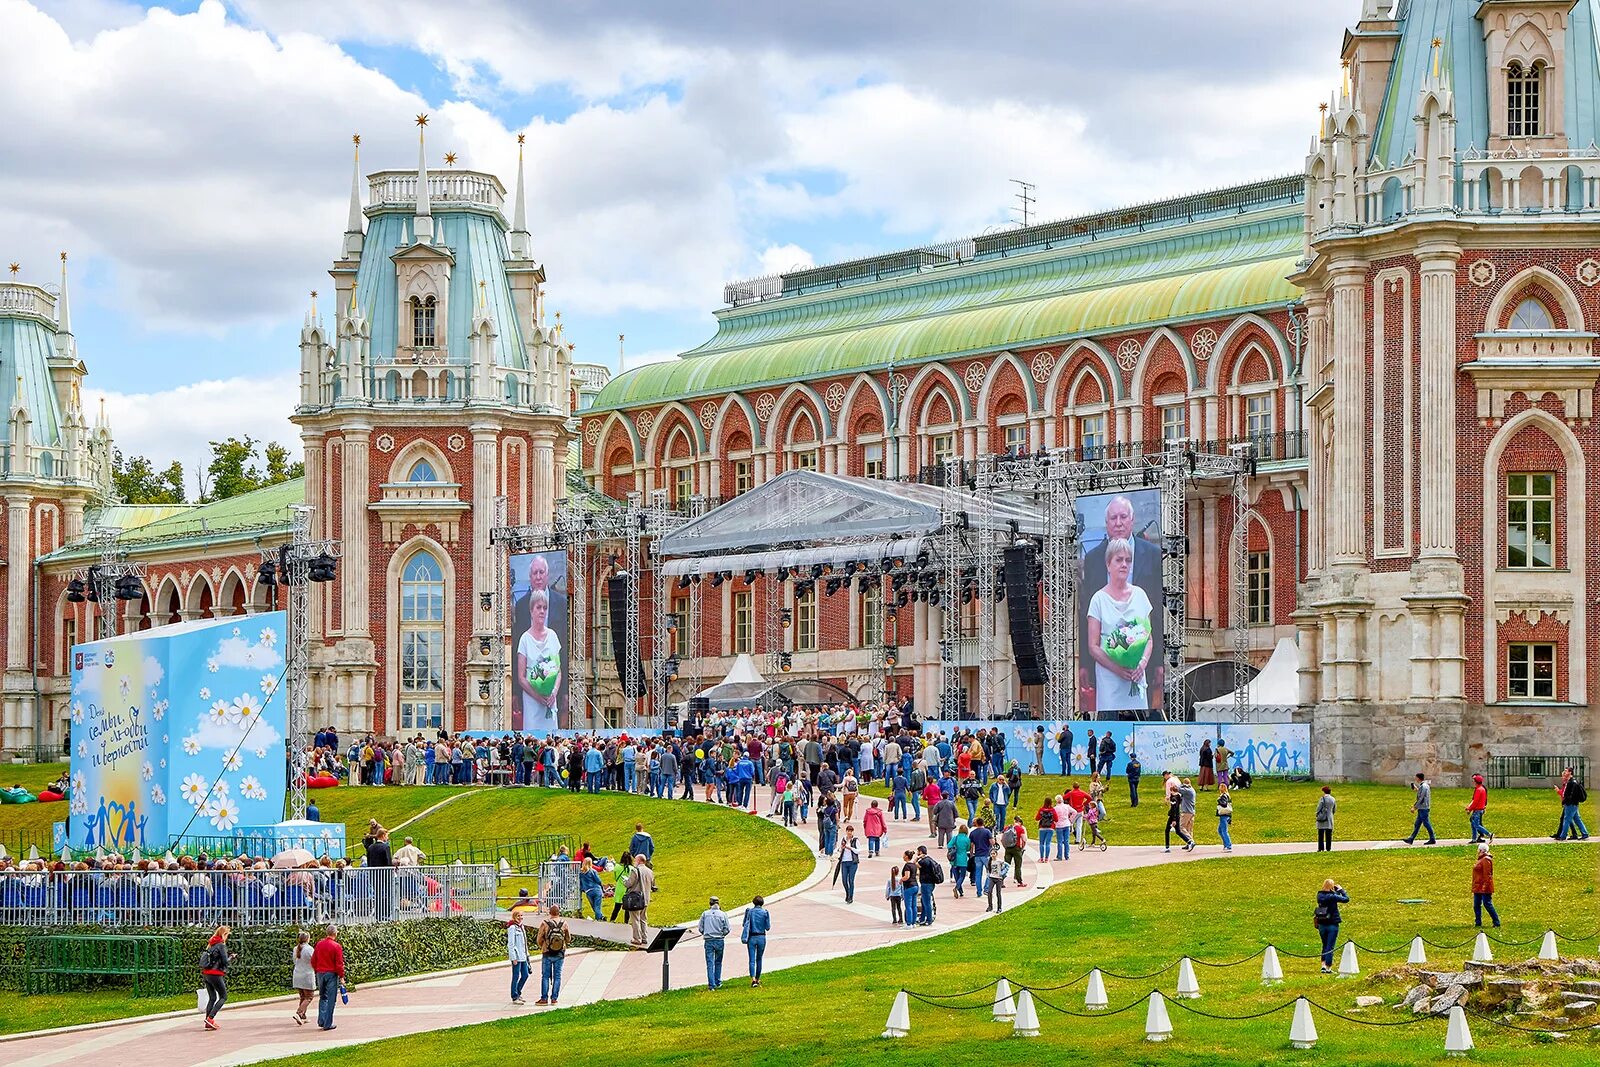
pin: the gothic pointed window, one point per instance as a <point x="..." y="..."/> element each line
<point x="422" y="323"/>
<point x="1533" y="316"/>
<point x="1523" y="85"/>
<point x="422" y="652"/>
<point x="422" y="471"/>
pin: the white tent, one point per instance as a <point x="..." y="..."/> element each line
<point x="1272" y="696"/>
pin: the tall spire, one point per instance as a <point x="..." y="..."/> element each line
<point x="519" y="215"/>
<point x="353" y="226"/>
<point x="424" y="214"/>
<point x="63" y="309"/>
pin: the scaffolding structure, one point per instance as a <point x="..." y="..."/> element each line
<point x="294" y="573"/>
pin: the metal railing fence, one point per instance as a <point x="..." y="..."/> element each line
<point x="245" y="899"/>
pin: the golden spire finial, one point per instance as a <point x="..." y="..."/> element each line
<point x="483" y="293"/>
<point x="355" y="139"/>
<point x="313" y="303"/>
<point x="1438" y="45"/>
<point x="422" y="120"/>
<point x="15" y="267"/>
<point x="450" y="159"/>
<point x="63" y="257"/>
<point x="522" y="138"/>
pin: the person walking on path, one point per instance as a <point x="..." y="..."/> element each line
<point x="929" y="875"/>
<point x="517" y="953"/>
<point x="1135" y="770"/>
<point x="960" y="857"/>
<point x="1221" y="757"/>
<point x="1186" y="805"/>
<point x="590" y="889"/>
<point x="214" y="969"/>
<point x="757" y="923"/>
<point x="619" y="886"/>
<point x="891" y="893"/>
<point x="1483" y="888"/>
<point x="714" y="929"/>
<point x="1015" y="843"/>
<point x="999" y="799"/>
<point x="910" y="889"/>
<point x="982" y="839"/>
<point x="640" y="885"/>
<point x="849" y="860"/>
<point x="642" y="844"/>
<point x="874" y="826"/>
<point x="552" y="940"/>
<point x="1175" y="822"/>
<point x="1475" y="809"/>
<point x="303" y="979"/>
<point x="327" y="961"/>
<point x="1421" y="805"/>
<point x="1572" y="796"/>
<point x="850" y="788"/>
<point x="994" y="890"/>
<point x="1325" y="807"/>
<point x="944" y="819"/>
<point x="1327" y="919"/>
<point x="1207" y="767"/>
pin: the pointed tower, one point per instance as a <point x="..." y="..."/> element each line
<point x="422" y="224"/>
<point x="354" y="226"/>
<point x="1435" y="153"/>
<point x="518" y="237"/>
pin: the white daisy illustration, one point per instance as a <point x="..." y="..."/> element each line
<point x="268" y="637"/>
<point x="261" y="753"/>
<point x="250" y="788"/>
<point x="77" y="783"/>
<point x="163" y="739"/>
<point x="245" y="709"/>
<point x="77" y="713"/>
<point x="125" y="684"/>
<point x="232" y="762"/>
<point x="191" y="745"/>
<point x="80" y="804"/>
<point x="1079" y="756"/>
<point x="224" y="814"/>
<point x="147" y="771"/>
<point x="158" y="710"/>
<point x="163" y="763"/>
<point x="269" y="685"/>
<point x="83" y="749"/>
<point x="237" y="631"/>
<point x="212" y="666"/>
<point x="205" y="694"/>
<point x="157" y="794"/>
<point x="193" y="790"/>
<point x="217" y="714"/>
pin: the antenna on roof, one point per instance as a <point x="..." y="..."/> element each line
<point x="619" y="353"/>
<point x="1025" y="199"/>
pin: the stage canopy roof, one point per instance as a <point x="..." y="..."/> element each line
<point x="805" y="517"/>
<point x="1272" y="696"/>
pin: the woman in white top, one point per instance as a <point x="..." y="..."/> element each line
<point x="1118" y="688"/>
<point x="539" y="643"/>
<point x="303" y="980"/>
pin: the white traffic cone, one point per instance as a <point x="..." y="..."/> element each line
<point x="1349" y="967"/>
<point x="1418" y="954"/>
<point x="1095" y="998"/>
<point x="899" y="1024"/>
<point x="1547" y="947"/>
<point x="1157" y="1027"/>
<point x="1188" y="988"/>
<point x="505" y="866"/>
<point x="1005" y="1008"/>
<point x="1480" y="949"/>
<point x="1303" y="1031"/>
<point x="1457" y="1038"/>
<point x="1026" y="1023"/>
<point x="1271" y="969"/>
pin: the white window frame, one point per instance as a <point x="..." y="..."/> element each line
<point x="1525" y="654"/>
<point x="807" y="606"/>
<point x="742" y="619"/>
<point x="1528" y="526"/>
<point x="867" y="462"/>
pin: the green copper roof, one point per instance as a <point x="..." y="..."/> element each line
<point x="478" y="242"/>
<point x="1042" y="298"/>
<point x="26" y="345"/>
<point x="264" y="512"/>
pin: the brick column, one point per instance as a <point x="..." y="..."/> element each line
<point x="354" y="581"/>
<point x="1347" y="501"/>
<point x="1438" y="398"/>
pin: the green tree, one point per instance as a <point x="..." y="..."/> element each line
<point x="235" y="468"/>
<point x="136" y="480"/>
<point x="279" y="469"/>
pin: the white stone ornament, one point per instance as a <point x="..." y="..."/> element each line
<point x="1128" y="354"/>
<point x="1203" y="343"/>
<point x="1026" y="1023"/>
<point x="591" y="432"/>
<point x="1418" y="953"/>
<point x="384" y="443"/>
<point x="764" y="405"/>
<point x="1303" y="1031"/>
<point x="1588" y="272"/>
<point x="455" y="442"/>
<point x="1041" y="366"/>
<point x="645" y="421"/>
<point x="1349" y="967"/>
<point x="1457" y="1038"/>
<point x="1481" y="953"/>
<point x="1188" y="987"/>
<point x="708" y="414"/>
<point x="1482" y="273"/>
<point x="834" y="397"/>
<point x="973" y="378"/>
<point x="1005" y="1007"/>
<point x="1547" y="947"/>
<point x="1157" y="1027"/>
<point x="899" y="1024"/>
<point x="1271" y="969"/>
<point x="1094" y="998"/>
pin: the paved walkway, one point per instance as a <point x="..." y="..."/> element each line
<point x="810" y="922"/>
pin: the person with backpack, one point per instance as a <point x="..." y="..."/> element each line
<point x="1326" y="805"/>
<point x="994" y="890"/>
<point x="1108" y="754"/>
<point x="916" y="783"/>
<point x="552" y="940"/>
<point x="517" y="953"/>
<point x="960" y="858"/>
<point x="910" y="884"/>
<point x="1015" y="842"/>
<point x="1573" y="796"/>
<point x="849" y="861"/>
<point x="1326" y="919"/>
<point x="874" y="826"/>
<point x="982" y="839"/>
<point x="214" y="963"/>
<point x="930" y="874"/>
<point x="999" y="799"/>
<point x="1046" y="818"/>
<point x="971" y="793"/>
<point x="757" y="923"/>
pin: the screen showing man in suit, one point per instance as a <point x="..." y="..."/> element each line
<point x="1122" y="654"/>
<point x="539" y="642"/>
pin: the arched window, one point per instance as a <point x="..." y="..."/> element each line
<point x="1523" y="99"/>
<point x="422" y="658"/>
<point x="422" y="471"/>
<point x="1531" y="315"/>
<point x="422" y="322"/>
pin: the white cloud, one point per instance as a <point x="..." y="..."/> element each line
<point x="226" y="735"/>
<point x="177" y="423"/>
<point x="242" y="652"/>
<point x="775" y="259"/>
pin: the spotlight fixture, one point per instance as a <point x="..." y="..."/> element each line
<point x="485" y="646"/>
<point x="486" y="601"/>
<point x="75" y="591"/>
<point x="483" y="690"/>
<point x="785" y="662"/>
<point x="786" y="617"/>
<point x="833" y="586"/>
<point x="672" y="622"/>
<point x="817" y="570"/>
<point x="267" y="574"/>
<point x="683" y="583"/>
<point x="716" y="579"/>
<point x="891" y="656"/>
<point x="672" y="669"/>
<point x="322" y="569"/>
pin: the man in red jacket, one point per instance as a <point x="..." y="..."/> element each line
<point x="1475" y="809"/>
<point x="327" y="961"/>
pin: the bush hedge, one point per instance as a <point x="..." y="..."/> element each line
<point x="262" y="957"/>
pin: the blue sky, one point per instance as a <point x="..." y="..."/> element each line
<point x="193" y="157"/>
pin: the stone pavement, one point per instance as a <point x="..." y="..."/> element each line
<point x="810" y="922"/>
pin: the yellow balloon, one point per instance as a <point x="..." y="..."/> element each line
<point x="699" y="753"/>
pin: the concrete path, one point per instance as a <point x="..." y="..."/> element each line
<point x="810" y="922"/>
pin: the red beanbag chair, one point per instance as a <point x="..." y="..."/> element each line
<point x="47" y="796"/>
<point x="322" y="781"/>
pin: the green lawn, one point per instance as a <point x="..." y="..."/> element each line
<point x="700" y="848"/>
<point x="32" y="819"/>
<point x="1129" y="923"/>
<point x="1284" y="811"/>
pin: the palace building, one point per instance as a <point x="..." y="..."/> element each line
<point x="1404" y="333"/>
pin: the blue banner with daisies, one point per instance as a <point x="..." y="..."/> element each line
<point x="178" y="731"/>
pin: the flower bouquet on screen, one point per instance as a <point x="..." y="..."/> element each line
<point x="1125" y="646"/>
<point x="543" y="673"/>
